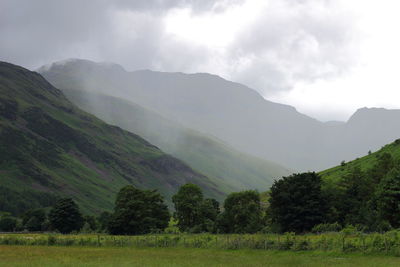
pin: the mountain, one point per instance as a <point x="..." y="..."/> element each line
<point x="212" y="157"/>
<point x="233" y="113"/>
<point x="49" y="147"/>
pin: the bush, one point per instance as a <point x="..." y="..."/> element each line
<point x="350" y="230"/>
<point x="326" y="227"/>
<point x="8" y="223"/>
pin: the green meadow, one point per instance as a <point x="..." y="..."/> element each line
<point x="124" y="256"/>
<point x="330" y="249"/>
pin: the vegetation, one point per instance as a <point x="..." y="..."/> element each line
<point x="193" y="212"/>
<point x="348" y="241"/>
<point x="297" y="203"/>
<point x="138" y="212"/>
<point x="34" y="220"/>
<point x="65" y="216"/>
<point x="242" y="213"/>
<point x="98" y="256"/>
<point x="7" y="223"/>
<point x="365" y="192"/>
<point x="18" y="202"/>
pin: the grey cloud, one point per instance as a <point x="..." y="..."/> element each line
<point x="34" y="33"/>
<point x="296" y="40"/>
<point x="163" y="5"/>
<point x="292" y="41"/>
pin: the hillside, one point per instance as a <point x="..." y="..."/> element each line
<point x="234" y="113"/>
<point x="334" y="175"/>
<point x="50" y="147"/>
<point x="365" y="191"/>
<point x="213" y="158"/>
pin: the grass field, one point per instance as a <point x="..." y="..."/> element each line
<point x="91" y="256"/>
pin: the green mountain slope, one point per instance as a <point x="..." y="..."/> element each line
<point x="206" y="154"/>
<point x="48" y="145"/>
<point x="334" y="175"/>
<point x="365" y="191"/>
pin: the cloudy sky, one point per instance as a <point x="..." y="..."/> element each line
<point x="325" y="57"/>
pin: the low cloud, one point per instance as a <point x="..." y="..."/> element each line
<point x="288" y="40"/>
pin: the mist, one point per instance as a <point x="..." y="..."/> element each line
<point x="313" y="55"/>
<point x="236" y="115"/>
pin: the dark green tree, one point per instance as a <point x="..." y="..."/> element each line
<point x="209" y="212"/>
<point x="138" y="212"/>
<point x="188" y="201"/>
<point x="358" y="188"/>
<point x="242" y="213"/>
<point x="103" y="219"/>
<point x="297" y="203"/>
<point x="65" y="216"/>
<point x="385" y="164"/>
<point x="7" y="223"/>
<point x="91" y="222"/>
<point x="34" y="220"/>
<point x="388" y="198"/>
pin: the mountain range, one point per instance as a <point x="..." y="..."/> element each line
<point x="229" y="112"/>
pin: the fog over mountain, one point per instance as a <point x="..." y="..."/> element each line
<point x="234" y="113"/>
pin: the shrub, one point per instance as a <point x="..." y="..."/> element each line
<point x="326" y="227"/>
<point x="7" y="223"/>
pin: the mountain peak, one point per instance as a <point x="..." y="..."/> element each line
<point x="372" y="114"/>
<point x="81" y="63"/>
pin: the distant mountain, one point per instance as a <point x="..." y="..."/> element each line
<point x="233" y="113"/>
<point x="206" y="154"/>
<point x="50" y="147"/>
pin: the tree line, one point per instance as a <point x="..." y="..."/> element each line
<point x="366" y="200"/>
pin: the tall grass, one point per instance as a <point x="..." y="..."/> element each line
<point x="388" y="243"/>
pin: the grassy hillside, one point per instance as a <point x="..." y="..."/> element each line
<point x="50" y="146"/>
<point x="212" y="157"/>
<point x="366" y="163"/>
<point x="364" y="192"/>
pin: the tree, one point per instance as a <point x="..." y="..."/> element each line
<point x="91" y="221"/>
<point x="358" y="189"/>
<point x="385" y="163"/>
<point x="7" y="223"/>
<point x="34" y="220"/>
<point x="209" y="211"/>
<point x="297" y="203"/>
<point x="138" y="212"/>
<point x="188" y="201"/>
<point x="242" y="213"/>
<point x="65" y="216"/>
<point x="388" y="198"/>
<point x="103" y="220"/>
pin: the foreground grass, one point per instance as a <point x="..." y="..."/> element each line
<point x="90" y="256"/>
<point x="374" y="243"/>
